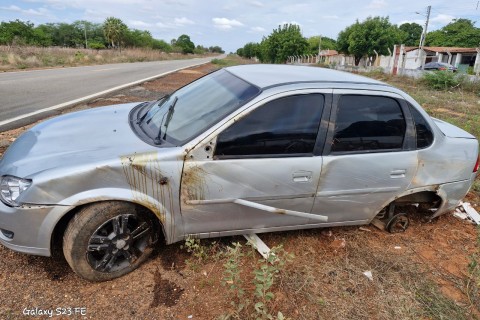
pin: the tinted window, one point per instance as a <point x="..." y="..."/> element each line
<point x="284" y="126"/>
<point x="368" y="123"/>
<point x="424" y="133"/>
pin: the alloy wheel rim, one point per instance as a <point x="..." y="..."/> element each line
<point x="118" y="243"/>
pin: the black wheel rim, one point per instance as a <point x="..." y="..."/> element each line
<point x="118" y="243"/>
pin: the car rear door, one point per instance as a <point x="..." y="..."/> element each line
<point x="369" y="156"/>
<point x="263" y="165"/>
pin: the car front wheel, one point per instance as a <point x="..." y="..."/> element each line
<point x="108" y="239"/>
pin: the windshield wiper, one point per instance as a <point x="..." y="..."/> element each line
<point x="169" y="114"/>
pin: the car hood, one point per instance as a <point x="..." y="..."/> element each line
<point x="77" y="138"/>
<point x="452" y="131"/>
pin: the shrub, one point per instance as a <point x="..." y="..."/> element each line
<point x="96" y="45"/>
<point x="441" y="80"/>
<point x="220" y="62"/>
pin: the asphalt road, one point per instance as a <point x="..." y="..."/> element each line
<point x="23" y="94"/>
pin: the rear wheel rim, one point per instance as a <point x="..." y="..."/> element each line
<point x="118" y="243"/>
<point x="398" y="224"/>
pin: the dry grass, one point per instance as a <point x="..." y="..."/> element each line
<point x="16" y="57"/>
<point x="414" y="276"/>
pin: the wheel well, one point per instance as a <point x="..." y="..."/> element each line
<point x="57" y="235"/>
<point x="420" y="197"/>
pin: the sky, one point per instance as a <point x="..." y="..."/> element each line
<point x="232" y="23"/>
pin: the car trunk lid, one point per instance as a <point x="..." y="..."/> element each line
<point x="452" y="131"/>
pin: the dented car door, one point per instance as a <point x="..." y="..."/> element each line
<point x="259" y="172"/>
<point x="369" y="156"/>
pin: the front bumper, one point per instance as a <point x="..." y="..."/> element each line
<point x="32" y="227"/>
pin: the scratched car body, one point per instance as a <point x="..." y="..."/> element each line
<point x="247" y="149"/>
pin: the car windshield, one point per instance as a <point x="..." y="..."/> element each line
<point x="194" y="108"/>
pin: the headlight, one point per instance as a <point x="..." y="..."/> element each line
<point x="11" y="188"/>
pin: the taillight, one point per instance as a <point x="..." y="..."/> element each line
<point x="475" y="169"/>
<point x="442" y="69"/>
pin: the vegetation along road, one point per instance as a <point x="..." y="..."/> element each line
<point x="24" y="94"/>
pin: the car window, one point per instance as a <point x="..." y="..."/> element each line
<point x="368" y="123"/>
<point x="423" y="130"/>
<point x="284" y="126"/>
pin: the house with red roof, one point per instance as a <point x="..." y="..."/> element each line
<point x="462" y="58"/>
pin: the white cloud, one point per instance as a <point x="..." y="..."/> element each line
<point x="11" y="8"/>
<point x="331" y="17"/>
<point x="38" y="12"/>
<point x="297" y="8"/>
<point x="258" y="29"/>
<point x="256" y="3"/>
<point x="377" y="4"/>
<point x="183" y="21"/>
<point x="164" y="25"/>
<point x="226" y="24"/>
<point x="140" y="24"/>
<point x="442" y="18"/>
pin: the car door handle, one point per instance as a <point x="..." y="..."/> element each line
<point x="302" y="176"/>
<point x="400" y="173"/>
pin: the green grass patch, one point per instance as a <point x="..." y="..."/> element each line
<point x="441" y="80"/>
<point x="231" y="60"/>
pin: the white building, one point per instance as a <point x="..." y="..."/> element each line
<point x="462" y="58"/>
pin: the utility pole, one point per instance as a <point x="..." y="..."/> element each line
<point x="85" y="28"/>
<point x="319" y="47"/>
<point x="319" y="44"/>
<point x="424" y="35"/>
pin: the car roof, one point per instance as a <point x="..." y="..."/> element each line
<point x="272" y="75"/>
<point x="438" y="63"/>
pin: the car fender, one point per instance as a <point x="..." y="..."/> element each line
<point x="159" y="209"/>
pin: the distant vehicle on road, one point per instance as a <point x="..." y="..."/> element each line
<point x="440" y="66"/>
<point x="246" y="149"/>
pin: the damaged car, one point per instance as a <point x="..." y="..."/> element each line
<point x="246" y="149"/>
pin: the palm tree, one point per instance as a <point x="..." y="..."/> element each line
<point x="114" y="29"/>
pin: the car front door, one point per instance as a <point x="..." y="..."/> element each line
<point x="369" y="156"/>
<point x="258" y="170"/>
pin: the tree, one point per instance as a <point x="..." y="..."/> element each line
<point x="249" y="50"/>
<point x="216" y="49"/>
<point x="458" y="33"/>
<point x="114" y="30"/>
<point x="326" y="44"/>
<point x="42" y="37"/>
<point x="185" y="44"/>
<point x="161" y="45"/>
<point x="285" y="41"/>
<point x="412" y="33"/>
<point x="363" y="39"/>
<point x="138" y="38"/>
<point x="16" y="32"/>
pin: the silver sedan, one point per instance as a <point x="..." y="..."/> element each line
<point x="246" y="149"/>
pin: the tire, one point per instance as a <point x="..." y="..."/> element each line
<point x="107" y="240"/>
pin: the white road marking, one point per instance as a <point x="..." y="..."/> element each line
<point x="73" y="102"/>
